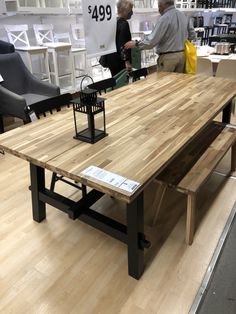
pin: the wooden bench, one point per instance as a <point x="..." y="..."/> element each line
<point x="194" y="165"/>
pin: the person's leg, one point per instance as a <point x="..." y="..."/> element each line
<point x="165" y="63"/>
<point x="181" y="64"/>
<point x="171" y="62"/>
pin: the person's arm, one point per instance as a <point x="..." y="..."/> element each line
<point x="154" y="38"/>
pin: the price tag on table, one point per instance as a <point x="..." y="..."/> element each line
<point x="99" y="19"/>
<point x="111" y="178"/>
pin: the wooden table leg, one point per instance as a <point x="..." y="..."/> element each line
<point x="37" y="177"/>
<point x="135" y="227"/>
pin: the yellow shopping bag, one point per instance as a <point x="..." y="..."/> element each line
<point x="190" y="58"/>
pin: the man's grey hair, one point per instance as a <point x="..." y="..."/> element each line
<point x="167" y="2"/>
<point x="124" y="5"/>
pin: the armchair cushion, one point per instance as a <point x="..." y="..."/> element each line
<point x="20" y="87"/>
<point x="33" y="98"/>
<point x="6" y="47"/>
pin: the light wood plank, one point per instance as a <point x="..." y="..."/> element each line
<point x="200" y="172"/>
<point x="190" y="220"/>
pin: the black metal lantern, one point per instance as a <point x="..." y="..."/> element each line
<point x="94" y="108"/>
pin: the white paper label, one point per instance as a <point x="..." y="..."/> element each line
<point x="111" y="178"/>
<point x="1" y="78"/>
<point x="33" y="116"/>
<point x="129" y="185"/>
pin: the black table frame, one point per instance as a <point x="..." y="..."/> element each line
<point x="131" y="234"/>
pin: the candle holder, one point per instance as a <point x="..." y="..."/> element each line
<point x="94" y="108"/>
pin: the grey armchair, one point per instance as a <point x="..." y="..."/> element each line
<point x="20" y="87"/>
<point x="6" y="47"/>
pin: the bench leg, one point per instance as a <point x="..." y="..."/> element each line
<point x="233" y="157"/>
<point x="190" y="221"/>
<point x="158" y="200"/>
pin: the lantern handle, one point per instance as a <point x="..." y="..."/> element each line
<point x="85" y="76"/>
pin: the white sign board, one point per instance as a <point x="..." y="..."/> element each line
<point x="99" y="17"/>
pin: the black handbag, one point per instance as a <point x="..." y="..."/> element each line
<point x="103" y="61"/>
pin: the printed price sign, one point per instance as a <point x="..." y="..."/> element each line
<point x="99" y="19"/>
<point x="100" y="13"/>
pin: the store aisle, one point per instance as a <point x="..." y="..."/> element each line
<point x="220" y="297"/>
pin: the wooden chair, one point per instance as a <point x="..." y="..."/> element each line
<point x="204" y="66"/>
<point x="78" y="40"/>
<point x="46" y="107"/>
<point x="78" y="53"/>
<point x="44" y="37"/>
<point x="17" y="35"/>
<point x="78" y="35"/>
<point x="137" y="74"/>
<point x="104" y="85"/>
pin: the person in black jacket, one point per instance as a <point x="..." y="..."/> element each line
<point x="121" y="59"/>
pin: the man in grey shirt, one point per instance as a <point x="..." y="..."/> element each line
<point x="169" y="36"/>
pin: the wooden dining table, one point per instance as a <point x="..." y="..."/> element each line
<point x="148" y="123"/>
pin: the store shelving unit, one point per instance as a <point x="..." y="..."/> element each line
<point x="72" y="8"/>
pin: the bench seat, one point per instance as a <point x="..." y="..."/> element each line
<point x="194" y="165"/>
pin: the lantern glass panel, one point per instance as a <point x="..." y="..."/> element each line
<point x="89" y="119"/>
<point x="99" y="121"/>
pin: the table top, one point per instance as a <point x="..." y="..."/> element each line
<point x="148" y="123"/>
